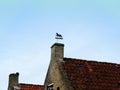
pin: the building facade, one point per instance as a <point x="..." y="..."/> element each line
<point x="78" y="74"/>
<point x="73" y="74"/>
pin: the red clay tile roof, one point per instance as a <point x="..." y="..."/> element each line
<point x="92" y="75"/>
<point x="30" y="87"/>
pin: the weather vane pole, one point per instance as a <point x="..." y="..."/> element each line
<point x="58" y="37"/>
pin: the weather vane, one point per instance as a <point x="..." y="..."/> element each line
<point x="58" y="37"/>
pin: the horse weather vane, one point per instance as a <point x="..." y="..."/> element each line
<point x="58" y="37"/>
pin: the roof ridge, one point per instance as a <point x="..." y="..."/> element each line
<point x="30" y="84"/>
<point x="105" y="62"/>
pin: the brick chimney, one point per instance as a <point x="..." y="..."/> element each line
<point x="57" y="51"/>
<point x="13" y="80"/>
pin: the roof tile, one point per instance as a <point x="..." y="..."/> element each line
<point x="92" y="75"/>
<point x="30" y="87"/>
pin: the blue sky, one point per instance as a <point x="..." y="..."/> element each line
<point x="90" y="28"/>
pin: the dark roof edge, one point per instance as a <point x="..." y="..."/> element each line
<point x="30" y="84"/>
<point x="65" y="58"/>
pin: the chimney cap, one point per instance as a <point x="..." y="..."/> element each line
<point x="17" y="73"/>
<point x="57" y="44"/>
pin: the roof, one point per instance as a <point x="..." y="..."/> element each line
<point x="30" y="87"/>
<point x="92" y="75"/>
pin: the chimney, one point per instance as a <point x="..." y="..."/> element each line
<point x="13" y="80"/>
<point x="57" y="51"/>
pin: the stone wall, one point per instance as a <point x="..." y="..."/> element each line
<point x="55" y="74"/>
